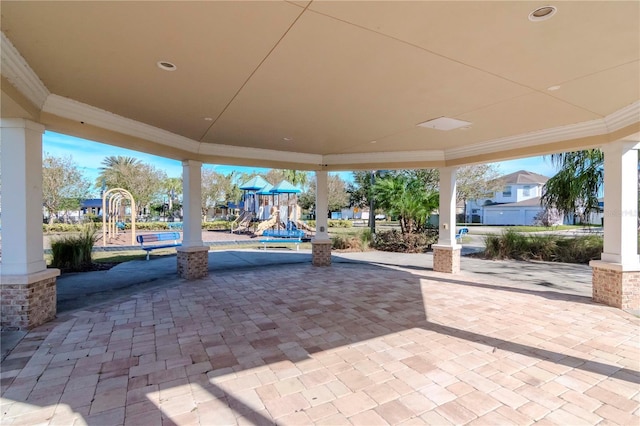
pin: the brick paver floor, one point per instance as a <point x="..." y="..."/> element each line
<point x="348" y="344"/>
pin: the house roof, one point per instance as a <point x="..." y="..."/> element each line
<point x="532" y="202"/>
<point x="325" y="85"/>
<point x="91" y="202"/>
<point x="524" y="177"/>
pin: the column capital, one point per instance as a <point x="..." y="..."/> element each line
<point x="21" y="123"/>
<point x="620" y="146"/>
<point x="191" y="163"/>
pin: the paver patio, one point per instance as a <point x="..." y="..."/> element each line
<point x="349" y="344"/>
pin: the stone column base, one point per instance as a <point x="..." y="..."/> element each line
<point x="193" y="262"/>
<point x="321" y="253"/>
<point x="27" y="301"/>
<point x="615" y="286"/>
<point x="446" y="258"/>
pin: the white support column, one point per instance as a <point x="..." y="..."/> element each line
<point x="620" y="203"/>
<point x="447" y="222"/>
<point x="446" y="254"/>
<point x="27" y="287"/>
<point x="191" y="203"/>
<point x="321" y="244"/>
<point x="616" y="277"/>
<point x="322" y="205"/>
<point x="22" y="197"/>
<point x="193" y="256"/>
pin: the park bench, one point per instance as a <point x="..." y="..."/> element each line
<point x="282" y="236"/>
<point x="461" y="232"/>
<point x="175" y="225"/>
<point x="158" y="241"/>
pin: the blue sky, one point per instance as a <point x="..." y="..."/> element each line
<point x="88" y="155"/>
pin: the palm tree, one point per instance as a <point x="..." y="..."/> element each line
<point x="296" y="177"/>
<point x="172" y="188"/>
<point x="578" y="183"/>
<point x="407" y="198"/>
<point x="116" y="171"/>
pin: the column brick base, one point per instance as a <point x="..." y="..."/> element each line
<point x="321" y="253"/>
<point x="193" y="262"/>
<point x="446" y="259"/>
<point x="615" y="287"/>
<point x="27" y="301"/>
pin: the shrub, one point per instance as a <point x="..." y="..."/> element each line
<point x="395" y="241"/>
<point x="514" y="245"/>
<point x="74" y="252"/>
<point x="579" y="249"/>
<point x="346" y="242"/>
<point x="218" y="225"/>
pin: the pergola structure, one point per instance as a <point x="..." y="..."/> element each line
<point x="320" y="86"/>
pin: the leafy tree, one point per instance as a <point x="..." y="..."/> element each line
<point x="337" y="197"/>
<point x="63" y="185"/>
<point x="142" y="180"/>
<point x="275" y="176"/>
<point x="476" y="181"/>
<point x="404" y="195"/>
<point x="359" y="190"/>
<point x="212" y="189"/>
<point x="575" y="188"/>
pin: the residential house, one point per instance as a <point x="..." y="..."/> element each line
<point x="517" y="203"/>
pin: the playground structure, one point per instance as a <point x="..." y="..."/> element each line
<point x="114" y="213"/>
<point x="267" y="205"/>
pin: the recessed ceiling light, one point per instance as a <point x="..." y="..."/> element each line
<point x="208" y="119"/>
<point x="374" y="142"/>
<point x="542" y="13"/>
<point x="444" y="123"/>
<point x="287" y="139"/>
<point x="552" y="88"/>
<point x="166" y="66"/>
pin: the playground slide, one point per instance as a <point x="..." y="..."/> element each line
<point x="295" y="218"/>
<point x="242" y="222"/>
<point x="301" y="225"/>
<point x="272" y="221"/>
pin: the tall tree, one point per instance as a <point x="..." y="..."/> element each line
<point x="298" y="178"/>
<point x="576" y="186"/>
<point x="142" y="180"/>
<point x="337" y="196"/>
<point x="63" y="185"/>
<point x="213" y="189"/>
<point x="172" y="188"/>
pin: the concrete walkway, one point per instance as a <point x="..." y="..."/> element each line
<point x="378" y="338"/>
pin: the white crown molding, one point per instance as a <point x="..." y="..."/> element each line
<point x="623" y="117"/>
<point x="20" y="74"/>
<point x="78" y="111"/>
<point x="383" y="157"/>
<point x="615" y="121"/>
<point x="259" y="154"/>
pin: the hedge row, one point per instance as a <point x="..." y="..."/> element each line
<point x="220" y="225"/>
<point x="332" y="223"/>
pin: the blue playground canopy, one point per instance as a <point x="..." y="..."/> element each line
<point x="284" y="187"/>
<point x="266" y="190"/>
<point x="255" y="183"/>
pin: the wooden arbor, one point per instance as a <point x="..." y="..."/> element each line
<point x="114" y="213"/>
